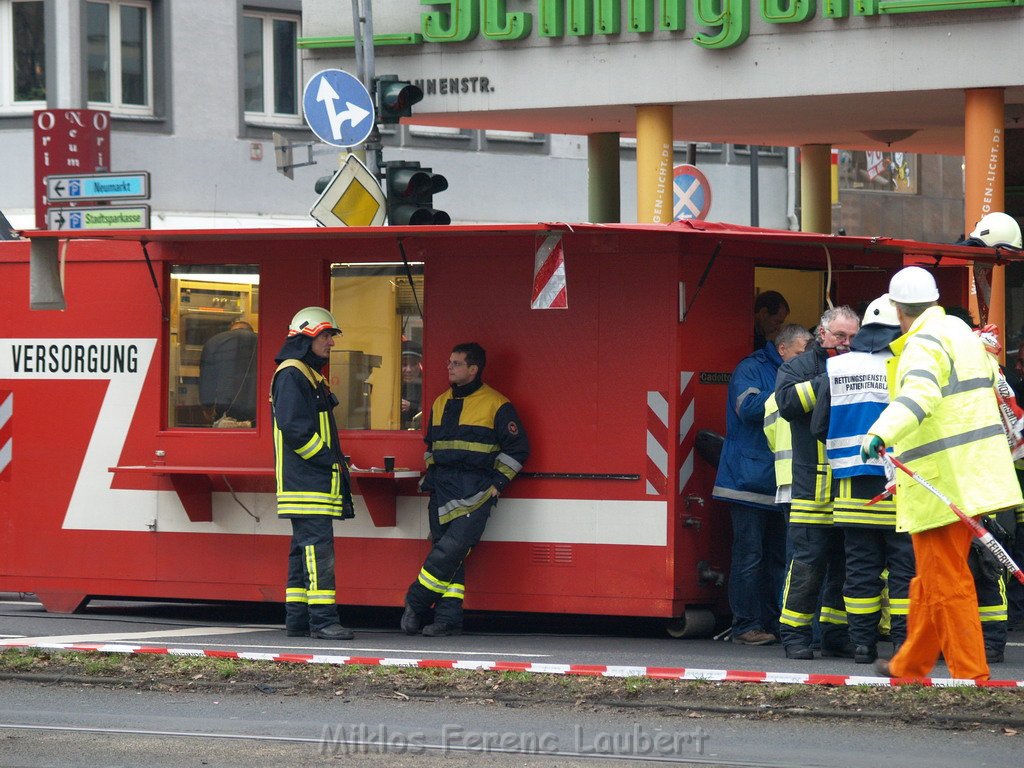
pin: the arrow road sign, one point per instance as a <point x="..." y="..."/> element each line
<point x="71" y="188"/>
<point x="338" y="108"/>
<point x="98" y="217"/>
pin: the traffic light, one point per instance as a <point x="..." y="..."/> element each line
<point x="411" y="191"/>
<point x="321" y="183"/>
<point x="395" y="99"/>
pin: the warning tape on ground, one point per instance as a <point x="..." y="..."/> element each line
<point x="591" y="670"/>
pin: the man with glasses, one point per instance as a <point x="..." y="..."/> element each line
<point x="815" y="546"/>
<point x="476" y="445"/>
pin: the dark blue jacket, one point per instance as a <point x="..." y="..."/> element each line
<point x="746" y="472"/>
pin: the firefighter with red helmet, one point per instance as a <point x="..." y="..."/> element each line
<point x="476" y="445"/>
<point x="313" y="487"/>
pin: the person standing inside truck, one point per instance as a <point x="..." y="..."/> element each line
<point x="476" y="445"/>
<point x="313" y="487"/>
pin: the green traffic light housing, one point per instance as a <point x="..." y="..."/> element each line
<point x="410" y="191"/>
<point x="395" y="99"/>
<point x="321" y="184"/>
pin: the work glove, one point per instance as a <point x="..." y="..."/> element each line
<point x="870" y="448"/>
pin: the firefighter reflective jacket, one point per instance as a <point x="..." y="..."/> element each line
<point x="475" y="440"/>
<point x="745" y="472"/>
<point x="308" y="463"/>
<point x="780" y="443"/>
<point x="943" y="423"/>
<point x="795" y="391"/>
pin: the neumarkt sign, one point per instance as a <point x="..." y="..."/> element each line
<point x="724" y="23"/>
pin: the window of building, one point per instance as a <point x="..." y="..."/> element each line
<point x="878" y="171"/>
<point x="376" y="367"/>
<point x="212" y="363"/>
<point x="270" y="66"/>
<point x="119" y="56"/>
<point x="22" y="56"/>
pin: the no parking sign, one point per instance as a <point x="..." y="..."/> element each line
<point x="691" y="193"/>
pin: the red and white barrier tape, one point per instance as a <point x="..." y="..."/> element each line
<point x="589" y="670"/>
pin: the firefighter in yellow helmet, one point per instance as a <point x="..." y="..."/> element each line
<point x="943" y="421"/>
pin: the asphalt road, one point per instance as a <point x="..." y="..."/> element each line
<point x="87" y="727"/>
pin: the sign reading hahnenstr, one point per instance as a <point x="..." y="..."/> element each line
<point x="457" y="21"/>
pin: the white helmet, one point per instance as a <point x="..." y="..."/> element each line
<point x="913" y="285"/>
<point x="312" y="321"/>
<point x="998" y="230"/>
<point x="881" y="312"/>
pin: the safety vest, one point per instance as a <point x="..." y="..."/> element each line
<point x="780" y="440"/>
<point x="859" y="393"/>
<point x="943" y="422"/>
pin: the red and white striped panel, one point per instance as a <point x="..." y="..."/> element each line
<point x="549" y="285"/>
<point x="657" y="443"/>
<point x="6" y="433"/>
<point x="687" y="434"/>
<point x="591" y="670"/>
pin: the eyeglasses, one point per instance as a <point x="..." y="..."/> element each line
<point x="840" y="337"/>
<point x="456" y="363"/>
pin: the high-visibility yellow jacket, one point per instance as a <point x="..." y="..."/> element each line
<point x="780" y="440"/>
<point x="944" y="423"/>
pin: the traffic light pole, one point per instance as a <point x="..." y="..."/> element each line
<point x="366" y="68"/>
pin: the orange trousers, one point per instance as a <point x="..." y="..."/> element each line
<point x="943" y="613"/>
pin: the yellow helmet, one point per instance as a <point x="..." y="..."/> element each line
<point x="312" y="321"/>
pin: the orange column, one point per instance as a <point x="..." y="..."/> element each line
<point x="984" y="186"/>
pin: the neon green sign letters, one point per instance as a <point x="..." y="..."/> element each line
<point x="722" y="23"/>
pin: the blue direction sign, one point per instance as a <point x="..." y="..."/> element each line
<point x="338" y="108"/>
<point x="691" y="193"/>
<point x="82" y="187"/>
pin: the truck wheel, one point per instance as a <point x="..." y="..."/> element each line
<point x="695" y="622"/>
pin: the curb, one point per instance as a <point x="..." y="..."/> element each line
<point x="590" y="670"/>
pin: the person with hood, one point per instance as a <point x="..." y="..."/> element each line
<point x="849" y="400"/>
<point x="313" y="486"/>
<point x="943" y="421"/>
<point x="476" y="445"/>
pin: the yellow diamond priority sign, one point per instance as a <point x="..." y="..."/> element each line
<point x="352" y="199"/>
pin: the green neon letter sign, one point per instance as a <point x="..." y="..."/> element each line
<point x="786" y="11"/>
<point x="498" y="24"/>
<point x="732" y="17"/>
<point x="460" y="22"/>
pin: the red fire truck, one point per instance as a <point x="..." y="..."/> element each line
<point x="119" y="477"/>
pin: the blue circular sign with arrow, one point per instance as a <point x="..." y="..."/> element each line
<point x="338" y="108"/>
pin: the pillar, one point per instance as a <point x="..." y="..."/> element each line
<point x="654" y="164"/>
<point x="984" y="183"/>
<point x="603" y="184"/>
<point x="816" y="188"/>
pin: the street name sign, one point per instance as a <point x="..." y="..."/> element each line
<point x="353" y="198"/>
<point x="84" y="187"/>
<point x="338" y="108"/>
<point x="96" y="217"/>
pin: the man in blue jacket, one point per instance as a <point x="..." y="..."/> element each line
<point x="746" y="482"/>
